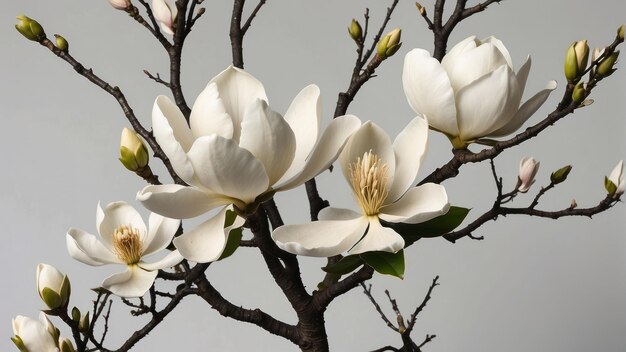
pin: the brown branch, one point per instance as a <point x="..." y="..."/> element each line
<point x="367" y="290"/>
<point x="153" y="26"/>
<point x="326" y="296"/>
<point x="418" y="310"/>
<point x="246" y="25"/>
<point x="477" y="8"/>
<point x="156" y="78"/>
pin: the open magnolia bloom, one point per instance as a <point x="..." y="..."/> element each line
<point x="473" y="93"/>
<point x="380" y="175"/>
<point x="125" y="239"/>
<point x="237" y="150"/>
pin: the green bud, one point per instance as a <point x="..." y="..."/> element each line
<point x="51" y="298"/>
<point x="579" y="93"/>
<point x="620" y="32"/>
<point x="66" y="346"/>
<point x="61" y="43"/>
<point x="605" y="68"/>
<point x="133" y="152"/>
<point x="610" y="187"/>
<point x="19" y="343"/>
<point x="390" y="44"/>
<point x="30" y="28"/>
<point x="83" y="325"/>
<point x="576" y="60"/>
<point x="355" y="31"/>
<point x="76" y="314"/>
<point x="560" y="175"/>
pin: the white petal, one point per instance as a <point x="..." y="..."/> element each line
<point x="225" y="168"/>
<point x="473" y="64"/>
<point x="378" y="238"/>
<point x="320" y="238"/>
<point x="617" y="177"/>
<point x="429" y="92"/>
<point x="370" y="137"/>
<point x="410" y="148"/>
<point x="208" y="115"/>
<point x="324" y="153"/>
<point x="330" y="213"/>
<point x="522" y="74"/>
<point x="304" y="115"/>
<point x="34" y="334"/>
<point x="49" y="276"/>
<point x="503" y="50"/>
<point x="170" y="260"/>
<point x="134" y="282"/>
<point x="162" y="12"/>
<point x="179" y="202"/>
<point x="86" y="248"/>
<point x="266" y="135"/>
<point x="118" y="214"/>
<point x="457" y="50"/>
<point x="173" y="135"/>
<point x="161" y="230"/>
<point x="238" y="89"/>
<point x="482" y="105"/>
<point x="525" y="111"/>
<point x="206" y="242"/>
<point x="419" y="204"/>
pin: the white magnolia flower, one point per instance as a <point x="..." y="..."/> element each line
<point x="617" y="177"/>
<point x="165" y="14"/>
<point x="238" y="151"/>
<point x="35" y="336"/>
<point x="380" y="175"/>
<point x="528" y="168"/>
<point x="53" y="286"/>
<point x="473" y="93"/>
<point x="125" y="239"/>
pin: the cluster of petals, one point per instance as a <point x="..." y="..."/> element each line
<point x="125" y="239"/>
<point x="237" y="151"/>
<point x="473" y="92"/>
<point x="380" y="174"/>
<point x="35" y="335"/>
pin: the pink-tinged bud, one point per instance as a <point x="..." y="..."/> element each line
<point x="166" y="15"/>
<point x="120" y="4"/>
<point x="528" y="167"/>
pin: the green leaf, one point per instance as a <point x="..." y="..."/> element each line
<point x="51" y="298"/>
<point x="234" y="236"/>
<point x="344" y="266"/>
<point x="386" y="263"/>
<point x="431" y="228"/>
<point x="609" y="186"/>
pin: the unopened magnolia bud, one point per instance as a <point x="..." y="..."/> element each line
<point x="389" y="44"/>
<point x="528" y="167"/>
<point x="560" y="175"/>
<point x="420" y="8"/>
<point x="53" y="286"/>
<point x="620" y="32"/>
<point x="355" y="30"/>
<point x="576" y="60"/>
<point x="605" y="68"/>
<point x="76" y="314"/>
<point x="61" y="43"/>
<point x="614" y="183"/>
<point x="66" y="346"/>
<point x="165" y="14"/>
<point x="30" y="28"/>
<point x="573" y="204"/>
<point x="133" y="152"/>
<point x="83" y="325"/>
<point x="120" y="4"/>
<point x="579" y="93"/>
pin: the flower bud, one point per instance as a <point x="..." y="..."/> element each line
<point x="133" y="152"/>
<point x="34" y="336"/>
<point x="355" y="31"/>
<point x="76" y="314"/>
<point x="605" y="68"/>
<point x="83" y="325"/>
<point x="389" y="44"/>
<point x="420" y="8"/>
<point x="576" y="60"/>
<point x="614" y="183"/>
<point x="579" y="93"/>
<point x="120" y="4"/>
<point x="560" y="175"/>
<point x="165" y="14"/>
<point x="53" y="286"/>
<point x="528" y="167"/>
<point x="61" y="43"/>
<point x="620" y="32"/>
<point x="30" y="28"/>
<point x="65" y="345"/>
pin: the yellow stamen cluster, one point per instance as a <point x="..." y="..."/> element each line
<point x="368" y="177"/>
<point x="127" y="244"/>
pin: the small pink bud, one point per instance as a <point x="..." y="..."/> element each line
<point x="528" y="167"/>
<point x="120" y="4"/>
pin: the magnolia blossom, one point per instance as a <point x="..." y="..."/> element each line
<point x="528" y="167"/>
<point x="120" y="4"/>
<point x="165" y="14"/>
<point x="125" y="239"/>
<point x="53" y="286"/>
<point x="617" y="177"/>
<point x="473" y="93"/>
<point x="380" y="174"/>
<point x="35" y="336"/>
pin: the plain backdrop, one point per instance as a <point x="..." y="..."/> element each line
<point x="531" y="285"/>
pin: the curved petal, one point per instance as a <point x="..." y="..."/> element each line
<point x="370" y="137"/>
<point x="503" y="50"/>
<point x="324" y="153"/>
<point x="410" y="148"/>
<point x="320" y="238"/>
<point x="266" y="135"/>
<point x="522" y="74"/>
<point x="34" y="334"/>
<point x="170" y="260"/>
<point x="173" y="135"/>
<point x="479" y="116"/>
<point x="419" y="204"/>
<point x="330" y="213"/>
<point x="378" y="238"/>
<point x="225" y="168"/>
<point x="163" y="14"/>
<point x="303" y="116"/>
<point x="429" y="91"/>
<point x="86" y="248"/>
<point x="473" y="64"/>
<point x="525" y="111"/>
<point x="238" y="89"/>
<point x="161" y="230"/>
<point x="467" y="44"/>
<point x="134" y="282"/>
<point x="208" y="115"/>
<point x="206" y="242"/>
<point x="118" y="214"/>
<point x="179" y="202"/>
<point x="106" y="240"/>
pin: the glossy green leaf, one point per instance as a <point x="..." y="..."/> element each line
<point x="431" y="228"/>
<point x="386" y="263"/>
<point x="344" y="266"/>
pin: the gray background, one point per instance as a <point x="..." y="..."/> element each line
<point x="531" y="285"/>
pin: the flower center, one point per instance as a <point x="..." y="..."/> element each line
<point x="368" y="178"/>
<point x="127" y="244"/>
